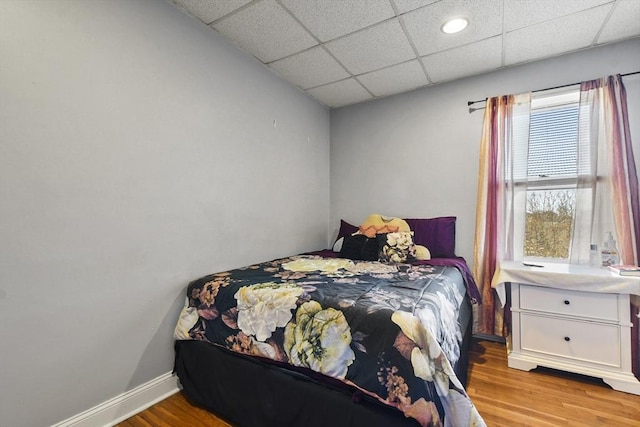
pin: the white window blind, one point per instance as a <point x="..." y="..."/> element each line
<point x="553" y="142"/>
<point x="552" y="138"/>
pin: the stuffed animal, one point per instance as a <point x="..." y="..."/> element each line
<point x="422" y="252"/>
<point x="379" y="224"/>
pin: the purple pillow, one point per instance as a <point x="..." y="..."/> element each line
<point x="346" y="229"/>
<point x="437" y="234"/>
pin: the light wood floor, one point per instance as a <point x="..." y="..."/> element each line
<point x="504" y="397"/>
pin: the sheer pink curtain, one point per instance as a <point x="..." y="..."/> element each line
<point x="496" y="201"/>
<point x="624" y="177"/>
<point x="612" y="204"/>
<point x="485" y="251"/>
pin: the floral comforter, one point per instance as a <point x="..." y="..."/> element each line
<point x="388" y="329"/>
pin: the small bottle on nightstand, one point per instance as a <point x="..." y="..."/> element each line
<point x="610" y="252"/>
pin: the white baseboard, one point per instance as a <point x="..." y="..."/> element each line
<point x="126" y="405"/>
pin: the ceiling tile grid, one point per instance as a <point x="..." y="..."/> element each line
<point x="423" y="25"/>
<point x="341" y="93"/>
<point x="623" y="23"/>
<point x="469" y="60"/>
<point x="209" y="11"/>
<point x="266" y="31"/>
<point x="310" y="68"/>
<point x="373" y="48"/>
<point x="328" y="20"/>
<point x="343" y="52"/>
<point x="521" y="14"/>
<point x="404" y="6"/>
<point x="395" y="79"/>
<point x="550" y="38"/>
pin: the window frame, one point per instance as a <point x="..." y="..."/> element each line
<point x="523" y="184"/>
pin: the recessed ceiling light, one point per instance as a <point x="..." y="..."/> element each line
<point x="454" y="25"/>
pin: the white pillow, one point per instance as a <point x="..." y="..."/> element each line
<point x="337" y="246"/>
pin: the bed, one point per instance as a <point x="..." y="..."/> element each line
<point x="317" y="339"/>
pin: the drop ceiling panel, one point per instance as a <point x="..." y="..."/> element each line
<point x="340" y="93"/>
<point x="404" y="6"/>
<point x="395" y="79"/>
<point x="623" y="23"/>
<point x="463" y="61"/>
<point x="266" y="31"/>
<point x="423" y="25"/>
<point x="328" y="20"/>
<point x="209" y="11"/>
<point x="311" y="68"/>
<point x="566" y="34"/>
<point x="520" y="14"/>
<point x="346" y="51"/>
<point x="372" y="48"/>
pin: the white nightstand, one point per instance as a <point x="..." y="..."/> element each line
<point x="572" y="318"/>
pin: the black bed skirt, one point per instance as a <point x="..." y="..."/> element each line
<point x="249" y="392"/>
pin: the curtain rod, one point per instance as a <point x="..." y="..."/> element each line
<point x="470" y="103"/>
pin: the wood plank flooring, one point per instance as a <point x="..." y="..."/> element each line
<point x="504" y="397"/>
<point x="543" y="397"/>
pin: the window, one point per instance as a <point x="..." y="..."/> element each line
<point x="547" y="170"/>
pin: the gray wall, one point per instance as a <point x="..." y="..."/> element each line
<point x="416" y="154"/>
<point x="137" y="152"/>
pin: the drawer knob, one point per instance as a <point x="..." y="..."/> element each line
<point x="567" y="339"/>
<point x="567" y="302"/>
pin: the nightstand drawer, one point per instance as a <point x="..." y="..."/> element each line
<point x="591" y="342"/>
<point x="571" y="303"/>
